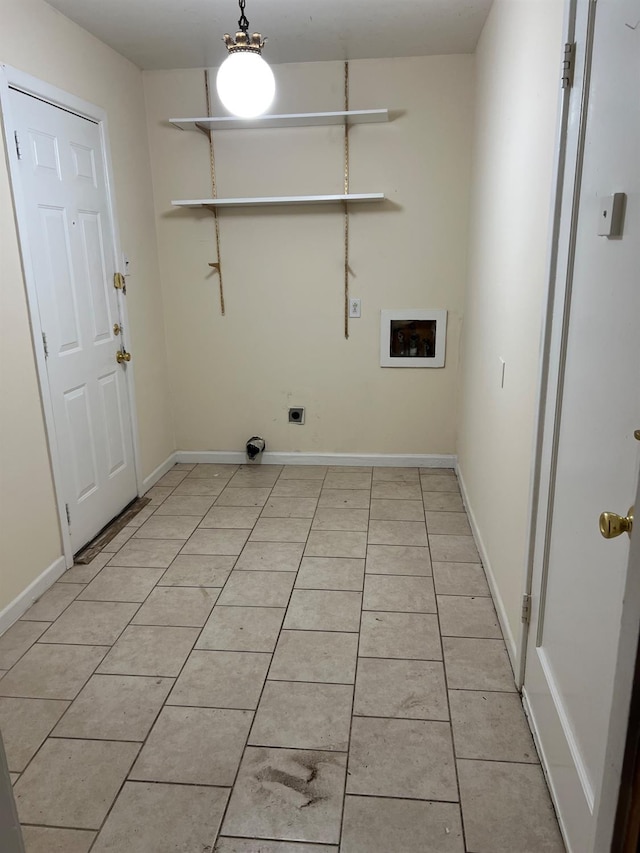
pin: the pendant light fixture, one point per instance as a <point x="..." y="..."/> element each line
<point x="245" y="83"/>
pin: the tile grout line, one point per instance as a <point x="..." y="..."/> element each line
<point x="280" y="680"/>
<point x="446" y="690"/>
<point x="28" y="649"/>
<point x="500" y="639"/>
<point x="355" y="677"/>
<point x="260" y="606"/>
<point x="49" y="622"/>
<point x="275" y="646"/>
<point x="64" y="609"/>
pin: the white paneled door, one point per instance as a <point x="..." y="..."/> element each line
<point x="62" y="180"/>
<point x="592" y="412"/>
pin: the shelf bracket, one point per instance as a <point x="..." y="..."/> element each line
<point x="202" y="128"/>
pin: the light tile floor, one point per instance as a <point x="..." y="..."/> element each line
<point x="268" y="661"/>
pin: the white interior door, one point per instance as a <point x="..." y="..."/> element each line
<point x="579" y="577"/>
<point x="62" y="179"/>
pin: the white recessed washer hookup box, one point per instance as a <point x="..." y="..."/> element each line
<point x="412" y="337"/>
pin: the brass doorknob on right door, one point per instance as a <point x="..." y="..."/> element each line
<point x="612" y="524"/>
<point x="121" y="356"/>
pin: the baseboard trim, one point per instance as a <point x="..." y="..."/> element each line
<point x="159" y="472"/>
<point x="400" y="460"/>
<point x="13" y="611"/>
<point x="501" y="610"/>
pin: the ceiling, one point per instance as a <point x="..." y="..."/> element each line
<point x="187" y="33"/>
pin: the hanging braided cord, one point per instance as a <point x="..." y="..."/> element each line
<point x="212" y="163"/>
<point x="346" y="208"/>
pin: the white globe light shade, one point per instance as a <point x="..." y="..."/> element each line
<point x="245" y="84"/>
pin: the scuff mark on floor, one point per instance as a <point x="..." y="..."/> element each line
<point x="294" y="786"/>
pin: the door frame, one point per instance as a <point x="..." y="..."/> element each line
<point x="570" y="146"/>
<point x="563" y="219"/>
<point x="12" y="78"/>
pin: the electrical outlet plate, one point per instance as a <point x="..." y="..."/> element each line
<point x="354" y="307"/>
<point x="296" y="415"/>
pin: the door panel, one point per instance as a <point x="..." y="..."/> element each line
<point x="82" y="443"/>
<point x="95" y="271"/>
<point x="46" y="157"/>
<point x="112" y="414"/>
<point x="84" y="162"/>
<point x="70" y="243"/>
<point x="579" y="577"/>
<point x="57" y="244"/>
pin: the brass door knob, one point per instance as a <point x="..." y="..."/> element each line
<point x="121" y="356"/>
<point x="612" y="524"/>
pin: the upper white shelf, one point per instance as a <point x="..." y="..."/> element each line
<point x="211" y="203"/>
<point x="288" y="120"/>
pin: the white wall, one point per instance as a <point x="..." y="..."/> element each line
<point x="40" y="41"/>
<point x="281" y="342"/>
<point x="517" y="83"/>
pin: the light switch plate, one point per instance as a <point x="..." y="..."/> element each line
<point x="354" y="307"/>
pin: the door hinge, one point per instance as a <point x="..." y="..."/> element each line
<point x="18" y="149"/>
<point x="526" y="609"/>
<point x="66" y="506"/>
<point x="568" y="65"/>
<point x="119" y="282"/>
<point x="45" y="345"/>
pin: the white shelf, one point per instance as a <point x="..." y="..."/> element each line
<point x="211" y="203"/>
<point x="288" y="120"/>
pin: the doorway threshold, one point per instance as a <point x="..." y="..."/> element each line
<point x="88" y="552"/>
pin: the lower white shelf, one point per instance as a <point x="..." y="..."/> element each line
<point x="289" y="120"/>
<point x="211" y="203"/>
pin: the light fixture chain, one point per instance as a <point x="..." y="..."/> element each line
<point x="346" y="206"/>
<point x="212" y="165"/>
<point x="243" y="23"/>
